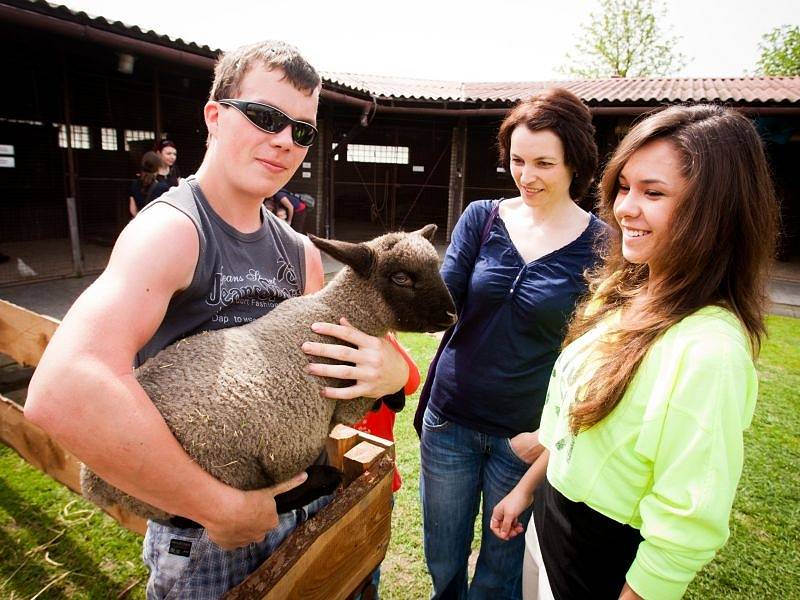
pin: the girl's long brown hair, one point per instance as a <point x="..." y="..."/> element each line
<point x="723" y="234"/>
<point x="151" y="163"/>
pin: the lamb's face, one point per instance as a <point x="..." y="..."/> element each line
<point x="406" y="272"/>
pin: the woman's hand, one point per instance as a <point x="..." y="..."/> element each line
<point x="504" y="523"/>
<point x="378" y="368"/>
<point x="526" y="446"/>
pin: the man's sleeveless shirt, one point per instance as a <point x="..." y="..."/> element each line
<point x="239" y="276"/>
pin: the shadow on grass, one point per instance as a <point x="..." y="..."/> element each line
<point x="25" y="568"/>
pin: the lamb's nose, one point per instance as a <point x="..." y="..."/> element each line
<point x="453" y="317"/>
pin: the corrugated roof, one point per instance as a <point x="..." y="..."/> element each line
<point x="383" y="86"/>
<point x="622" y="91"/>
<point x="594" y="91"/>
<point x="65" y="13"/>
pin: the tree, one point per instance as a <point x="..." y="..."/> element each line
<point x="624" y="39"/>
<point x="780" y="52"/>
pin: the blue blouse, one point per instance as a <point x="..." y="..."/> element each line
<point x="492" y="375"/>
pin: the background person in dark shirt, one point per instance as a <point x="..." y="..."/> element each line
<point x="280" y="200"/>
<point x="146" y="187"/>
<point x="169" y="171"/>
<point x="515" y="270"/>
<point x="279" y="210"/>
<point x="295" y="208"/>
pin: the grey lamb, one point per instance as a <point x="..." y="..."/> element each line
<point x="239" y="399"/>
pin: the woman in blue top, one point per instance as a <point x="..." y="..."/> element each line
<point x="515" y="270"/>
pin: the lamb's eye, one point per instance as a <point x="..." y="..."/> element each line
<point x="402" y="279"/>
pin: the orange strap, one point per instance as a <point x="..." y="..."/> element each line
<point x="412" y="383"/>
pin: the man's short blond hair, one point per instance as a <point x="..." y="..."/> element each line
<point x="232" y="67"/>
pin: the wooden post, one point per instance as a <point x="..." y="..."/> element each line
<point x="458" y="166"/>
<point x="34" y="445"/>
<point x="71" y="184"/>
<point x="24" y="335"/>
<point x="72" y="213"/>
<point x="391" y="219"/>
<point x="359" y="459"/>
<point x="42" y="452"/>
<point x="342" y="438"/>
<point x="339" y="442"/>
<point x="320" y="169"/>
<point x="157" y="106"/>
<point x="74" y="236"/>
<point x="328" y="556"/>
<point x="330" y="183"/>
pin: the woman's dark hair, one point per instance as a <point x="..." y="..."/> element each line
<point x="563" y="113"/>
<point x="151" y="163"/>
<point x="165" y="144"/>
<point x="722" y="237"/>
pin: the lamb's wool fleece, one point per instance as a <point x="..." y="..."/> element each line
<point x="239" y="399"/>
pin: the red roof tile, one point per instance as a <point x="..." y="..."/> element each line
<point x="384" y="86"/>
<point x="595" y="91"/>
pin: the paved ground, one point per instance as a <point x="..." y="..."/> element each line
<point x="53" y="298"/>
<point x="785" y="296"/>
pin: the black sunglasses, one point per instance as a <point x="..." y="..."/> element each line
<point x="272" y="120"/>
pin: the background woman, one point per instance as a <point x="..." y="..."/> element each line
<point x="169" y="171"/>
<point x="515" y="280"/>
<point x="647" y="404"/>
<point x="146" y="187"/>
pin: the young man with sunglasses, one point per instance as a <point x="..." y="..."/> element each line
<point x="205" y="256"/>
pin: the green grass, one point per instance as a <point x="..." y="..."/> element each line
<point x="762" y="556"/>
<point x="100" y="559"/>
<point x="48" y="535"/>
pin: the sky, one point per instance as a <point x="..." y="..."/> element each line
<point x="466" y="40"/>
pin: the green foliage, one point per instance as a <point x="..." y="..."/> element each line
<point x="95" y="558"/>
<point x="624" y="39"/>
<point x="780" y="52"/>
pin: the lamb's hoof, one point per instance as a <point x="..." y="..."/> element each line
<point x="394" y="402"/>
<point x="322" y="480"/>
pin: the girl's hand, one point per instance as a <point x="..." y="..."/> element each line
<point x="504" y="523"/>
<point x="526" y="446"/>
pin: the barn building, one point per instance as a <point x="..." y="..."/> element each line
<point x="86" y="97"/>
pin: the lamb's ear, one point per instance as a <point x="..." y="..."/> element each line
<point x="427" y="232"/>
<point x="359" y="257"/>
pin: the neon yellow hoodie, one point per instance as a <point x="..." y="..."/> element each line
<point x="668" y="459"/>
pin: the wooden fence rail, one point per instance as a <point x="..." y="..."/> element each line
<point x="330" y="556"/>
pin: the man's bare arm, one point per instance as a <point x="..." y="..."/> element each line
<point x="85" y="395"/>
<point x="315" y="274"/>
<point x="287" y="204"/>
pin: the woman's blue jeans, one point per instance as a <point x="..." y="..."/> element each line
<point x="460" y="466"/>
